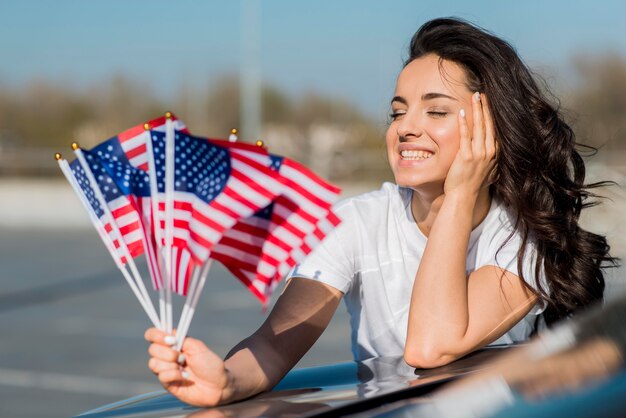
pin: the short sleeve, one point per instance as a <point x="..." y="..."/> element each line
<point x="331" y="262"/>
<point x="502" y="253"/>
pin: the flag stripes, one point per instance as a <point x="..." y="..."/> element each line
<point x="256" y="213"/>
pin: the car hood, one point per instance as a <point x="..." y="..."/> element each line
<point x="340" y="388"/>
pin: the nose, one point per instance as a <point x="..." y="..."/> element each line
<point x="409" y="128"/>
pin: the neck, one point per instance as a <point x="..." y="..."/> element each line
<point x="425" y="208"/>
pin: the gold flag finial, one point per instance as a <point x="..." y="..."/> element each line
<point x="168" y="115"/>
<point x="75" y="146"/>
<point x="233" y="135"/>
<point x="146" y="127"/>
<point x="57" y="156"/>
<point x="260" y="143"/>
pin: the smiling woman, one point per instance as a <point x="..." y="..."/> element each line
<point x="476" y="242"/>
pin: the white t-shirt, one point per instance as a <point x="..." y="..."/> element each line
<point x="373" y="256"/>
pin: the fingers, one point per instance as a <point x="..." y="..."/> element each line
<point x="170" y="376"/>
<point x="155" y="335"/>
<point x="166" y="363"/>
<point x="478" y="135"/>
<point x="490" y="135"/>
<point x="465" y="144"/>
<point x="163" y="352"/>
<point x="157" y="366"/>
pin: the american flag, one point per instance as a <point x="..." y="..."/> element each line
<point x="241" y="249"/>
<point x="257" y="213"/>
<point x="131" y="147"/>
<point x="213" y="189"/>
<point x="305" y="200"/>
<point x="133" y="141"/>
<point x="123" y="211"/>
<point x="261" y="249"/>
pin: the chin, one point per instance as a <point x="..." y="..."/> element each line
<point x="429" y="186"/>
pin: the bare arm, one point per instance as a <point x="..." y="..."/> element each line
<point x="452" y="314"/>
<point x="298" y="319"/>
<point x="257" y="363"/>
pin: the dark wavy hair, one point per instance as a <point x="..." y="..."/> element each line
<point x="539" y="173"/>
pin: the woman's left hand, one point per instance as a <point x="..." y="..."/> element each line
<point x="475" y="161"/>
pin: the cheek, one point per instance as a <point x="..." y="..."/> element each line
<point x="391" y="137"/>
<point x="389" y="134"/>
<point x="447" y="138"/>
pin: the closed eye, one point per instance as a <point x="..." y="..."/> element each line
<point x="437" y="114"/>
<point x="396" y="115"/>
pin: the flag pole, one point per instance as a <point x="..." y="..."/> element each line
<point x="69" y="175"/>
<point x="131" y="262"/>
<point x="190" y="292"/>
<point x="181" y="333"/>
<point x="169" y="215"/>
<point x="156" y="221"/>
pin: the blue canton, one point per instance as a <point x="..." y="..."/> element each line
<point x="83" y="183"/>
<point x="200" y="167"/>
<point x="129" y="179"/>
<point x="105" y="183"/>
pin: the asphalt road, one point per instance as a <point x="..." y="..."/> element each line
<point x="72" y="332"/>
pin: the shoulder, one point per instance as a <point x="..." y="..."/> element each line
<point x="498" y="239"/>
<point x="499" y="227"/>
<point x="389" y="197"/>
<point x="501" y="245"/>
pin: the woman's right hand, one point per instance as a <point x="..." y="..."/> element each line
<point x="198" y="377"/>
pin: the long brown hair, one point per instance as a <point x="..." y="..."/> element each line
<point x="540" y="174"/>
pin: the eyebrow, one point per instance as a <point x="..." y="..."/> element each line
<point x="399" y="99"/>
<point x="427" y="96"/>
<point x="430" y="96"/>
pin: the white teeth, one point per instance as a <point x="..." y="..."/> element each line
<point x="415" y="155"/>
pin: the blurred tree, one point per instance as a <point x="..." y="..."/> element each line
<point x="222" y="106"/>
<point x="599" y="101"/>
<point x="327" y="134"/>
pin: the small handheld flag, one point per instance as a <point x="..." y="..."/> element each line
<point x="182" y="201"/>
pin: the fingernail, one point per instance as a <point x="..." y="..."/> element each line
<point x="185" y="375"/>
<point x="181" y="359"/>
<point x="462" y="113"/>
<point x="477" y="97"/>
<point x="170" y="340"/>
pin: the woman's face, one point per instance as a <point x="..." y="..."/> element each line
<point x="423" y="136"/>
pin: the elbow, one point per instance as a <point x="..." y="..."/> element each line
<point x="424" y="357"/>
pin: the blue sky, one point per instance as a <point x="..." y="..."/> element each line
<point x="348" y="48"/>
